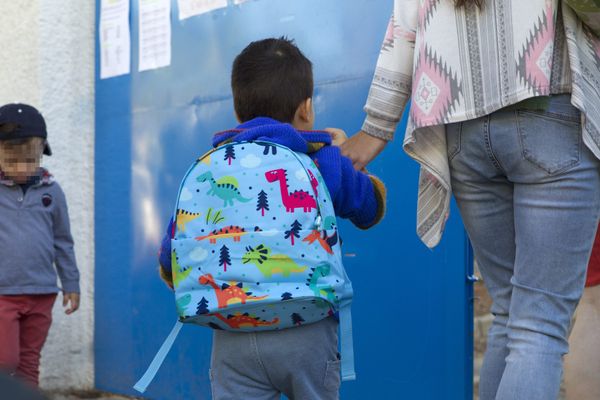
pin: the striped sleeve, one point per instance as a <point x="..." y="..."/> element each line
<point x="391" y="84"/>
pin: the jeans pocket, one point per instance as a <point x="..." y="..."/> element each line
<point x="453" y="135"/>
<point x="550" y="141"/>
<point x="333" y="380"/>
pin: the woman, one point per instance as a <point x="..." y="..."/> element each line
<point x="505" y="114"/>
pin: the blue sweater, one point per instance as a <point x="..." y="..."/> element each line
<point x="356" y="195"/>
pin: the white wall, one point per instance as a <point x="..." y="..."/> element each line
<point x="47" y="53"/>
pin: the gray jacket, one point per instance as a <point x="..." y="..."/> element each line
<point x="34" y="236"/>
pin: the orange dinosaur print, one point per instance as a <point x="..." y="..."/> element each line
<point x="232" y="231"/>
<point x="229" y="294"/>
<point x="239" y="320"/>
<point x="316" y="236"/>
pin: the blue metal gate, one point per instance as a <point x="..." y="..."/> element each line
<point x="151" y="125"/>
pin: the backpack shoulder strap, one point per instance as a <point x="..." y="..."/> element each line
<point x="346" y="343"/>
<point x="159" y="358"/>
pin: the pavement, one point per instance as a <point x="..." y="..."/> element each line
<point x="86" y="395"/>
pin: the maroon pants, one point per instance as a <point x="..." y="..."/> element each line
<point x="24" y="324"/>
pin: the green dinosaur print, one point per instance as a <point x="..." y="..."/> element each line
<point x="270" y="264"/>
<point x="225" y="188"/>
<point x="179" y="273"/>
<point x="318" y="272"/>
<point x="329" y="222"/>
<point x="182" y="303"/>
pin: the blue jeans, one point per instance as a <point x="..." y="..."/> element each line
<point x="528" y="190"/>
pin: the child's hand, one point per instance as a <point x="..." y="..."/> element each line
<point x="338" y="136"/>
<point x="73" y="298"/>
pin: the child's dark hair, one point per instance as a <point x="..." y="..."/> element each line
<point x="270" y="78"/>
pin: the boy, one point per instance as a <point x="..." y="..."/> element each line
<point x="34" y="234"/>
<point x="272" y="86"/>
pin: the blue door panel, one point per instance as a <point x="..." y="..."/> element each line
<point x="412" y="315"/>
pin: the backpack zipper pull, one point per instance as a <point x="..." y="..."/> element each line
<point x="318" y="221"/>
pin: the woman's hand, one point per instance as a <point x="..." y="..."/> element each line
<point x="362" y="148"/>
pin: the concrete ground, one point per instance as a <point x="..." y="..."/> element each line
<point x="85" y="395"/>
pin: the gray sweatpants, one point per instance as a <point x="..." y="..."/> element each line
<point x="303" y="363"/>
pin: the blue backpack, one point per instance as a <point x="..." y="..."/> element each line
<point x="256" y="247"/>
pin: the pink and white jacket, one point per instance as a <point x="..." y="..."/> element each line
<point x="460" y="64"/>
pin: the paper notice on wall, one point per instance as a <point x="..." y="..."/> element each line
<point x="189" y="8"/>
<point x="114" y="37"/>
<point x="155" y="34"/>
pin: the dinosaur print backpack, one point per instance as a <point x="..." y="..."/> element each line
<point x="256" y="247"/>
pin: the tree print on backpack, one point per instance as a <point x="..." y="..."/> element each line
<point x="294" y="231"/>
<point x="229" y="154"/>
<point x="262" y="203"/>
<point x="224" y="259"/>
<point x="202" y="306"/>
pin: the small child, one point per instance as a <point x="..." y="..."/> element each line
<point x="34" y="235"/>
<point x="272" y="86"/>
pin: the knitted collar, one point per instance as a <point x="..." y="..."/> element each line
<point x="43" y="177"/>
<point x="270" y="130"/>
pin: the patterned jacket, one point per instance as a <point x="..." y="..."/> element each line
<point x="460" y="64"/>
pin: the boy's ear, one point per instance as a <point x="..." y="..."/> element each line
<point x="305" y="111"/>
